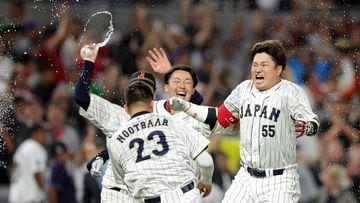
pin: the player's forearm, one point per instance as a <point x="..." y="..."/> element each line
<point x="81" y="94"/>
<point x="206" y="165"/>
<point x="203" y="114"/>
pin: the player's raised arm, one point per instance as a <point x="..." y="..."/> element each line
<point x="81" y="94"/>
<point x="158" y="60"/>
<point x="160" y="63"/>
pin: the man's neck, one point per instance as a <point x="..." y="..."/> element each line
<point x="138" y="110"/>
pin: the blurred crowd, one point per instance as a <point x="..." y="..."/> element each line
<point x="39" y="67"/>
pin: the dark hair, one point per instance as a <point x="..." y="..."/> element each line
<point x="183" y="68"/>
<point x="34" y="129"/>
<point x="138" y="92"/>
<point x="272" y="47"/>
<point x="57" y="148"/>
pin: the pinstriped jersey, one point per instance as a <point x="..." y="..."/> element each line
<point x="203" y="128"/>
<point x="108" y="117"/>
<point x="267" y="118"/>
<point x="155" y="152"/>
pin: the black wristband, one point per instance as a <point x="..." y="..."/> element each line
<point x="312" y="128"/>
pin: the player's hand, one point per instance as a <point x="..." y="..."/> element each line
<point x="177" y="104"/>
<point x="300" y="128"/>
<point x="204" y="188"/>
<point x="95" y="171"/>
<point x="158" y="60"/>
<point x="89" y="52"/>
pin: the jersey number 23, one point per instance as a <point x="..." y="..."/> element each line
<point x="140" y="144"/>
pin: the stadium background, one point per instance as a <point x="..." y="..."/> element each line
<point x="322" y="38"/>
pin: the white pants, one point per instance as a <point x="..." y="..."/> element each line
<point x="122" y="196"/>
<point x="283" y="188"/>
<point x="177" y="195"/>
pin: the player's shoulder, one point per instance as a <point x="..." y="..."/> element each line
<point x="288" y="85"/>
<point x="159" y="107"/>
<point x="246" y="84"/>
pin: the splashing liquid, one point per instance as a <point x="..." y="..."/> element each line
<point x="87" y="50"/>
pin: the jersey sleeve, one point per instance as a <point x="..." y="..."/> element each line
<point x="196" y="142"/>
<point x="104" y="115"/>
<point x="299" y="105"/>
<point x="228" y="112"/>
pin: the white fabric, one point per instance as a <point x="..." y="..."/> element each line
<point x="267" y="118"/>
<point x="29" y="158"/>
<point x="155" y="152"/>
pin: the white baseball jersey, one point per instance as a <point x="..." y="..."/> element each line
<point x="29" y="158"/>
<point x="268" y="141"/>
<point x="267" y="118"/>
<point x="108" y="117"/>
<point x="155" y="151"/>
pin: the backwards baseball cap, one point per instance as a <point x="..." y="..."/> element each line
<point x="143" y="76"/>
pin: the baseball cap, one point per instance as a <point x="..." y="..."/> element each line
<point x="143" y="76"/>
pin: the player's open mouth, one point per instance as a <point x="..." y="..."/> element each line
<point x="181" y="94"/>
<point x="259" y="78"/>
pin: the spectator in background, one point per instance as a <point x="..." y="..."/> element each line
<point x="336" y="186"/>
<point x="7" y="144"/>
<point x="29" y="163"/>
<point x="60" y="130"/>
<point x="92" y="145"/>
<point x="308" y="183"/>
<point x="61" y="184"/>
<point x="6" y="62"/>
<point x="51" y="44"/>
<point x="353" y="169"/>
<point x="338" y="124"/>
<point x="131" y="44"/>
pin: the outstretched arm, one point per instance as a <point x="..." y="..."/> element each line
<point x="81" y="94"/>
<point x="219" y="119"/>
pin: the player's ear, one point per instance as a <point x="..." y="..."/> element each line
<point x="279" y="69"/>
<point x="166" y="88"/>
<point x="151" y="106"/>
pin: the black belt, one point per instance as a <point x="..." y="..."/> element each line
<point x="184" y="189"/>
<point x="115" y="188"/>
<point x="262" y="173"/>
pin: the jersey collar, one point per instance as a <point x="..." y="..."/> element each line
<point x="139" y="113"/>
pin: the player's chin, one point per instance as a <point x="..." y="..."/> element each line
<point x="259" y="85"/>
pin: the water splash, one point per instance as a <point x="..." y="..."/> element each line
<point x="110" y="28"/>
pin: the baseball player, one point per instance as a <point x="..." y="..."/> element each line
<point x="273" y="112"/>
<point x="154" y="152"/>
<point x="108" y="116"/>
<point x="180" y="81"/>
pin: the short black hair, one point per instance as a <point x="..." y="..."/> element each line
<point x="272" y="47"/>
<point x="138" y="92"/>
<point x="183" y="68"/>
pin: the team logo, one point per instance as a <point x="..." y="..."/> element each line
<point x="141" y="75"/>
